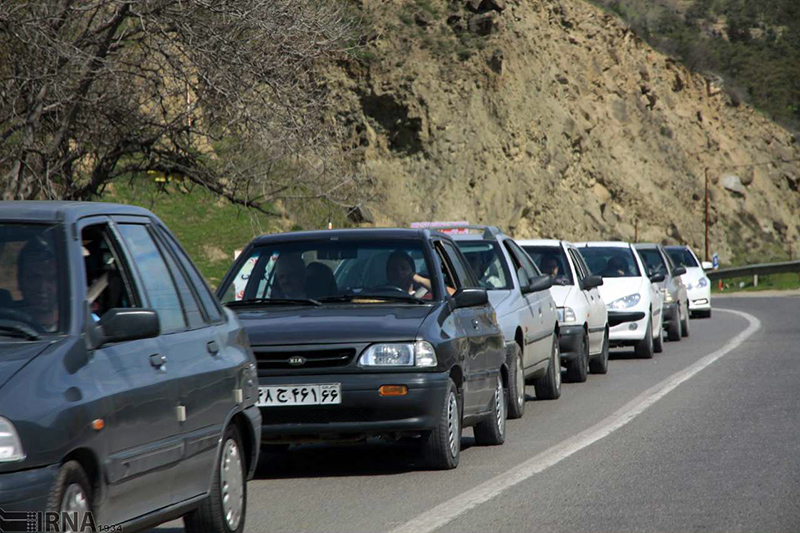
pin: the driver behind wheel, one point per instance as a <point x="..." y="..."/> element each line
<point x="37" y="280"/>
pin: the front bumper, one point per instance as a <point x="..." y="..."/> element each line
<point x="363" y="411"/>
<point x="253" y="415"/>
<point x="700" y="299"/>
<point x="631" y="332"/>
<point x="569" y="342"/>
<point x="28" y="490"/>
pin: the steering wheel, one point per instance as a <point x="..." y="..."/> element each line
<point x="19" y="316"/>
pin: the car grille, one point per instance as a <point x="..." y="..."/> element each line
<point x="301" y="359"/>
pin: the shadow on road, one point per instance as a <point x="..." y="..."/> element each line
<point x="373" y="458"/>
<point x="622" y="354"/>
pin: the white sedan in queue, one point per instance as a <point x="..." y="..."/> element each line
<point x="629" y="294"/>
<point x="698" y="286"/>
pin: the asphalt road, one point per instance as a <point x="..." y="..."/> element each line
<point x="704" y="437"/>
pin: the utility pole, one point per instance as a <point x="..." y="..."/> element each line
<point x="706" y="174"/>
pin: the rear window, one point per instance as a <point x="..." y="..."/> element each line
<point x="551" y="260"/>
<point x="611" y="261"/>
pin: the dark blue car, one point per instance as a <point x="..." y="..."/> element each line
<point x="127" y="393"/>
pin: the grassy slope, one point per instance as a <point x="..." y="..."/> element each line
<point x="790" y="280"/>
<point x="209" y="228"/>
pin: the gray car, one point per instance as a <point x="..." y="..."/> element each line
<point x="667" y="278"/>
<point x="525" y="310"/>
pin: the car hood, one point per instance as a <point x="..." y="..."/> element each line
<point x="498" y="299"/>
<point x="333" y="324"/>
<point x="15" y="355"/>
<point x="693" y="274"/>
<point x="560" y="294"/>
<point x="614" y="288"/>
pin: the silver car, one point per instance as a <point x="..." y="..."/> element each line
<point x="525" y="310"/>
<point x="667" y="277"/>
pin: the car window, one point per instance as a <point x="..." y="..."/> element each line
<point x="209" y="302"/>
<point x="610" y="261"/>
<point x="523" y="261"/>
<point x="447" y="269"/>
<point x="551" y="260"/>
<point x="331" y="269"/>
<point x="652" y="260"/>
<point x="458" y="264"/>
<point x="682" y="257"/>
<point x="155" y="276"/>
<point x="188" y="299"/>
<point x="582" y="275"/>
<point x="33" y="282"/>
<point x="578" y="258"/>
<point x="487" y="263"/>
<point x="107" y="275"/>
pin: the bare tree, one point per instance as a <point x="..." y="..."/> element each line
<point x="224" y="93"/>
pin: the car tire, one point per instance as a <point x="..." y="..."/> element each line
<point x="491" y="431"/>
<point x="685" y="323"/>
<point x="704" y="314"/>
<point x="578" y="368"/>
<point x="548" y="387"/>
<point x="516" y="385"/>
<point x="599" y="365"/>
<point x="225" y="508"/>
<point x="644" y="347"/>
<point x="658" y="341"/>
<point x="71" y="491"/>
<point x="674" y="331"/>
<point x="441" y="447"/>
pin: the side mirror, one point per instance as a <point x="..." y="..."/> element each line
<point x="539" y="283"/>
<point x="679" y="271"/>
<point x="119" y="325"/>
<point x="591" y="282"/>
<point x="707" y="265"/>
<point x="470" y="298"/>
<point x="657" y="278"/>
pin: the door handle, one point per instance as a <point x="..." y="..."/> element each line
<point x="158" y="360"/>
<point x="475" y="323"/>
<point x="213" y="347"/>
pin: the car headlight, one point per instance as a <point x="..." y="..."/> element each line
<point x="699" y="284"/>
<point x="418" y="354"/>
<point x="566" y="315"/>
<point x="10" y="445"/>
<point x="625" y="302"/>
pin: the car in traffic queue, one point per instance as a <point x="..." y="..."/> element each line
<point x="673" y="292"/>
<point x="582" y="313"/>
<point x="370" y="333"/>
<point x="698" y="286"/>
<point x="525" y="310"/>
<point x="633" y="301"/>
<point x="127" y="392"/>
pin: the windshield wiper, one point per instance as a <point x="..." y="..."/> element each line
<point x="366" y="296"/>
<point x="272" y="301"/>
<point x="20" y="332"/>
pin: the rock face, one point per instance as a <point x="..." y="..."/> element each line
<point x="559" y="122"/>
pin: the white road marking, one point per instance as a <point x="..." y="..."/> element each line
<point x="451" y="509"/>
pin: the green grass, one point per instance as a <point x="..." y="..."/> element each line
<point x="209" y="228"/>
<point x="786" y="281"/>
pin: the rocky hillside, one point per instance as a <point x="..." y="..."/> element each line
<point x="551" y="118"/>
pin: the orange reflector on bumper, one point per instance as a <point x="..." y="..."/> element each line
<point x="393" y="390"/>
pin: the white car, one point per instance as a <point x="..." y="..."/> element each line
<point x="582" y="315"/>
<point x="629" y="296"/>
<point x="697" y="283"/>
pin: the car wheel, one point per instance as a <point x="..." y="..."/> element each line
<point x="599" y="365"/>
<point x="516" y="385"/>
<point x="491" y="431"/>
<point x="658" y="341"/>
<point x="644" y="347"/>
<point x="704" y="314"/>
<point x="442" y="446"/>
<point x="548" y="387"/>
<point x="578" y="368"/>
<point x="685" y="323"/>
<point x="71" y="492"/>
<point x="225" y="508"/>
<point x="674" y="331"/>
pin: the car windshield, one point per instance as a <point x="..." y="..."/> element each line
<point x="682" y="257"/>
<point x="32" y="298"/>
<point x="485" y="258"/>
<point x="553" y="261"/>
<point x="611" y="261"/>
<point x="316" y="272"/>
<point x="652" y="261"/>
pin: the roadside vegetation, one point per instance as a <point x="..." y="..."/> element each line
<point x="772" y="282"/>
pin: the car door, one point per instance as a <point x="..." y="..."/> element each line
<point x="595" y="322"/>
<point x="208" y="369"/>
<point x="540" y="303"/>
<point x="599" y="318"/>
<point x="142" y="432"/>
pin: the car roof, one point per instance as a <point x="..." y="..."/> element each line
<point x="540" y="242"/>
<point x="355" y="233"/>
<point x="602" y="244"/>
<point x="677" y="247"/>
<point x="646" y="246"/>
<point x="56" y="211"/>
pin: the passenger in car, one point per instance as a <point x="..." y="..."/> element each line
<point x="616" y="267"/>
<point x="37" y="279"/>
<point x="550" y="267"/>
<point x="290" y="277"/>
<point x="402" y="272"/>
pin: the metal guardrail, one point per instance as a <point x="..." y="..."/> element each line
<point x="753" y="270"/>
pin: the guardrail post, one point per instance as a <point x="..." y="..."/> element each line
<point x="755" y="280"/>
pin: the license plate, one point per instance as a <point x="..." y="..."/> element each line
<point x="322" y="394"/>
